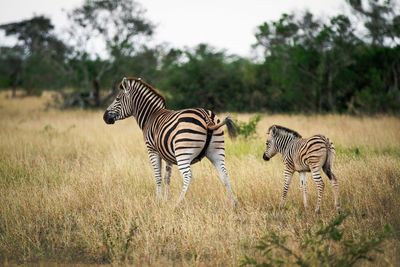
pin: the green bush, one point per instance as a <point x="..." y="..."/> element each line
<point x="248" y="129"/>
<point x="323" y="247"/>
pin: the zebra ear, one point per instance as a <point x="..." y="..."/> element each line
<point x="273" y="129"/>
<point x="124" y="85"/>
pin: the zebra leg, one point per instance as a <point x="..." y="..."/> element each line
<point x="288" y="174"/>
<point x="155" y="160"/>
<point x="303" y="185"/>
<point x="167" y="179"/>
<point x="218" y="160"/>
<point x="184" y="168"/>
<point x="316" y="175"/>
<point x="335" y="187"/>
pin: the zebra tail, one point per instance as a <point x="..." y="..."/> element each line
<point x="330" y="158"/>
<point x="229" y="124"/>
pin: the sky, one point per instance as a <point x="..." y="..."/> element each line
<point x="224" y="24"/>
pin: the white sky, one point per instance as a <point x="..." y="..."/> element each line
<point x="228" y="24"/>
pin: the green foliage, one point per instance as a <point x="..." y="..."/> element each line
<point x="209" y="78"/>
<point x="248" y="129"/>
<point x="305" y="63"/>
<point x="36" y="61"/>
<point x="119" y="27"/>
<point x="324" y="246"/>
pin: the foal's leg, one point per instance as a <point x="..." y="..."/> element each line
<point x="288" y="174"/>
<point x="303" y="185"/>
<point x="316" y="175"/>
<point x="335" y="187"/>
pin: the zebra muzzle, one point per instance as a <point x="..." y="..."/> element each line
<point x="109" y="117"/>
<point x="265" y="157"/>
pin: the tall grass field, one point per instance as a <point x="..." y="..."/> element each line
<point x="75" y="190"/>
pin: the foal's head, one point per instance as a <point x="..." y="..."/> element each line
<point x="275" y="133"/>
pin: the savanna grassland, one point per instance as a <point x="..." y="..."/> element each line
<point x="75" y="190"/>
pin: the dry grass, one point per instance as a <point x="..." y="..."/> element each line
<point x="73" y="189"/>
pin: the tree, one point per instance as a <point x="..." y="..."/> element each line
<point x="380" y="18"/>
<point x="11" y="59"/>
<point x="34" y="35"/>
<point x="206" y="77"/>
<point x="37" y="58"/>
<point x="291" y="59"/>
<point x="116" y="27"/>
<point x="304" y="56"/>
<point x="276" y="34"/>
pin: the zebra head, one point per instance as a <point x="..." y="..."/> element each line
<point x="279" y="138"/>
<point x="121" y="107"/>
<point x="271" y="149"/>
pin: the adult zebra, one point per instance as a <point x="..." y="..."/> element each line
<point x="303" y="155"/>
<point x="180" y="137"/>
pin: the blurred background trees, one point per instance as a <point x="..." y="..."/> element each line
<point x="116" y="26"/>
<point x="37" y="60"/>
<point x="305" y="63"/>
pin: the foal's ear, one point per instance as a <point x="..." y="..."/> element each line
<point x="272" y="129"/>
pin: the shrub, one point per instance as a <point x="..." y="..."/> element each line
<point x="247" y="129"/>
<point x="323" y="247"/>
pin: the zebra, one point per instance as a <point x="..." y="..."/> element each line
<point x="303" y="155"/>
<point x="181" y="137"/>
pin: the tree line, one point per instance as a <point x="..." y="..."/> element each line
<point x="304" y="63"/>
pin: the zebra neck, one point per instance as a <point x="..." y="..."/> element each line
<point x="146" y="103"/>
<point x="284" y="142"/>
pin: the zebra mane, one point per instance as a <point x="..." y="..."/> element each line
<point x="281" y="129"/>
<point x="148" y="86"/>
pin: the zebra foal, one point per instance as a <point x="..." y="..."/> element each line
<point x="303" y="155"/>
<point x="181" y="137"/>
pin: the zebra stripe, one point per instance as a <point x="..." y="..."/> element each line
<point x="181" y="137"/>
<point x="303" y="155"/>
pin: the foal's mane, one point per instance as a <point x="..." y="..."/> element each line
<point x="285" y="130"/>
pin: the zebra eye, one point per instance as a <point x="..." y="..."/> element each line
<point x="117" y="98"/>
